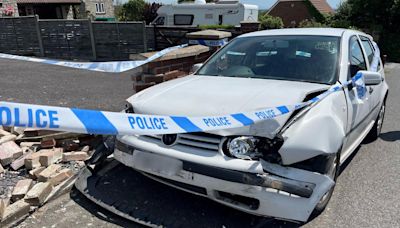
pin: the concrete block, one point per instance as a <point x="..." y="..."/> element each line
<point x="48" y="172"/>
<point x="15" y="211"/>
<point x="38" y="193"/>
<point x="21" y="188"/>
<point x="75" y="156"/>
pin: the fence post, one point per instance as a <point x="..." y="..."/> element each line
<point x="144" y="37"/>
<point x="39" y="35"/>
<point x="92" y="42"/>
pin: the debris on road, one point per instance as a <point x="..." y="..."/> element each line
<point x="36" y="166"/>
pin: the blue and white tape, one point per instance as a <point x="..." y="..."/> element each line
<point x="110" y="67"/>
<point x="116" y="123"/>
<point x="210" y="43"/>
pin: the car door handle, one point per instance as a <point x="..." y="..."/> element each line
<point x="371" y="90"/>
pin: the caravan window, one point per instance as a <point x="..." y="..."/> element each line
<point x="160" y="21"/>
<point x="183" y="19"/>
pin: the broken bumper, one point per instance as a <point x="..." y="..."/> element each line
<point x="259" y="188"/>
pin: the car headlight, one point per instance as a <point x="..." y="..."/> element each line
<point x="243" y="147"/>
<point x="253" y="148"/>
<point x="128" y="108"/>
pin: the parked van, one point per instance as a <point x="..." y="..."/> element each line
<point x="202" y="13"/>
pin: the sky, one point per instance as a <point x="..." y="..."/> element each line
<point x="263" y="4"/>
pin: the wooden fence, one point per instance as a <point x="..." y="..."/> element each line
<point x="73" y="39"/>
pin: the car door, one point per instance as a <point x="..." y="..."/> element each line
<point x="374" y="91"/>
<point x="358" y="113"/>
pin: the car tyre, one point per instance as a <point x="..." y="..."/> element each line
<point x="377" y="128"/>
<point x="332" y="169"/>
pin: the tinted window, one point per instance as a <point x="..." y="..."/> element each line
<point x="181" y="19"/>
<point x="357" y="60"/>
<point x="294" y="58"/>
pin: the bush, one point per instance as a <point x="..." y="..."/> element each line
<point x="133" y="10"/>
<point x="270" y="22"/>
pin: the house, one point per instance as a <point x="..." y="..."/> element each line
<point x="59" y="9"/>
<point x="293" y="12"/>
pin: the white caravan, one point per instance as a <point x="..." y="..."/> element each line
<point x="202" y="13"/>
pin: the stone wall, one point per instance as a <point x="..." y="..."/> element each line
<point x="90" y="8"/>
<point x="7" y="5"/>
<point x="173" y="65"/>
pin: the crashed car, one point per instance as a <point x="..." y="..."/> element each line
<point x="285" y="167"/>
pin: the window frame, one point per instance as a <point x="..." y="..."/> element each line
<point x="190" y="15"/>
<point x="350" y="55"/>
<point x="100" y="8"/>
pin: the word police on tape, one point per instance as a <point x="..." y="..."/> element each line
<point x="117" y="123"/>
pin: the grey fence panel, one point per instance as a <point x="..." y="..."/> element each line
<point x="66" y="39"/>
<point x="116" y="40"/>
<point x="19" y="36"/>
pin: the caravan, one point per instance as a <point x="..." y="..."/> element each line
<point x="198" y="13"/>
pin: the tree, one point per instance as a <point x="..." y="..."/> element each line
<point x="182" y="1"/>
<point x="133" y="10"/>
<point x="375" y="17"/>
<point x="270" y="22"/>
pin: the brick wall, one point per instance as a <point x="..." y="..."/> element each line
<point x="173" y="65"/>
<point x="291" y="12"/>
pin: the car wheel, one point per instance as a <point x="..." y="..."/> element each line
<point x="332" y="168"/>
<point x="377" y="128"/>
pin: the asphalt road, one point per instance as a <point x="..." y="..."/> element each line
<point x="366" y="194"/>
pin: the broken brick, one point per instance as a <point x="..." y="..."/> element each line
<point x="4" y="133"/>
<point x="28" y="144"/>
<point x="20" y="189"/>
<point x="32" y="161"/>
<point x="59" y="177"/>
<point x="8" y="152"/>
<point x="7" y="138"/>
<point x="75" y="156"/>
<point x="3" y="205"/>
<point x="15" y="211"/>
<point x="38" y="193"/>
<point x="69" y="145"/>
<point x="48" y="143"/>
<point x="48" y="157"/>
<point x="34" y="173"/>
<point x="48" y="172"/>
<point x="15" y="165"/>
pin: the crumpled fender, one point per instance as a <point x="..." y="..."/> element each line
<point x="321" y="130"/>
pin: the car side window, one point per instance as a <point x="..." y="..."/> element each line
<point x="369" y="49"/>
<point x="357" y="59"/>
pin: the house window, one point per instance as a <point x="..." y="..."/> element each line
<point x="183" y="19"/>
<point x="100" y="8"/>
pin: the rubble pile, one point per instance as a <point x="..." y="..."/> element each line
<point x="36" y="166"/>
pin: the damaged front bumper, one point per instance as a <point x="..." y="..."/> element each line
<point x="255" y="187"/>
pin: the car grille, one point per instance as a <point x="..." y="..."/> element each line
<point x="195" y="140"/>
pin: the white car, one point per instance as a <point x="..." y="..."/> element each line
<point x="284" y="167"/>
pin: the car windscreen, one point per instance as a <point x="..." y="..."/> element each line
<point x="295" y="58"/>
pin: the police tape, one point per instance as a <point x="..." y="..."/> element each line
<point x="118" y="123"/>
<point x="110" y="67"/>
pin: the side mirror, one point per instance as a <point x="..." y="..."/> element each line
<point x="196" y="67"/>
<point x="372" y="78"/>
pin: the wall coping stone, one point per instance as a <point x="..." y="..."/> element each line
<point x="176" y="54"/>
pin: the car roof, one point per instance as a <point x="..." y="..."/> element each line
<point x="302" y="31"/>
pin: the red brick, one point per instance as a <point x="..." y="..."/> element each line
<point x="75" y="156"/>
<point x="48" y="172"/>
<point x="139" y="87"/>
<point x="48" y="143"/>
<point x="153" y="78"/>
